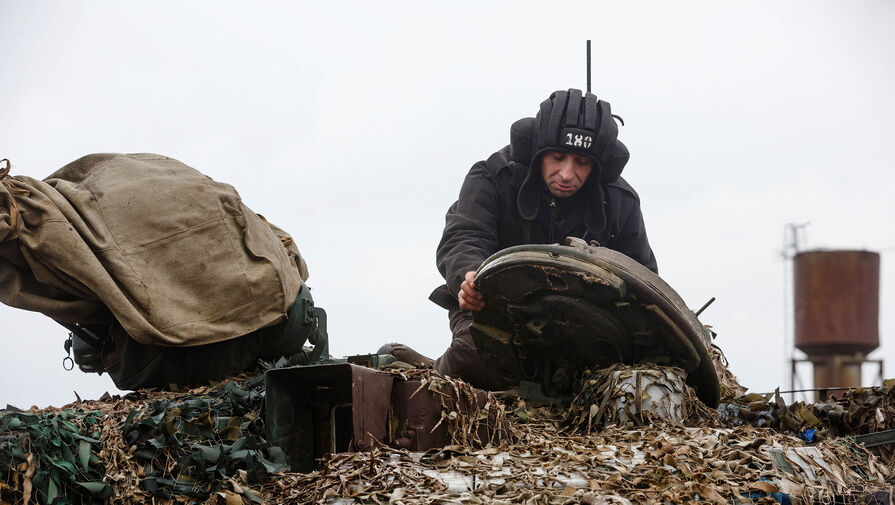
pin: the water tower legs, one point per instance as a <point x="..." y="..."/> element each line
<point x="836" y="372"/>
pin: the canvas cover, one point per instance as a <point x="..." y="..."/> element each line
<point x="174" y="256"/>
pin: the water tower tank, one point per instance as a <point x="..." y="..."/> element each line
<point x="836" y="302"/>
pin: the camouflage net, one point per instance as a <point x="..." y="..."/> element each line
<point x="143" y="446"/>
<point x="469" y="422"/>
<point x="207" y="445"/>
<point x="544" y="466"/>
<point x="620" y="394"/>
<point x="730" y="385"/>
<point x="860" y="411"/>
<point x="59" y="457"/>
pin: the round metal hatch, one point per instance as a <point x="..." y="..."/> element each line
<point x="553" y="310"/>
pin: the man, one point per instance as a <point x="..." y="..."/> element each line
<point x="559" y="177"/>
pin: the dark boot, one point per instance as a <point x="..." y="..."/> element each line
<point x="403" y="353"/>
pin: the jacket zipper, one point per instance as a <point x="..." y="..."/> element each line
<point x="552" y="219"/>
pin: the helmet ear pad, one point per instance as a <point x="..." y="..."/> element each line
<point x="521" y="139"/>
<point x="615" y="162"/>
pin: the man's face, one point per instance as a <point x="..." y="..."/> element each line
<point x="565" y="173"/>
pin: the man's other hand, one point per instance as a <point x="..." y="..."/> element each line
<point x="469" y="297"/>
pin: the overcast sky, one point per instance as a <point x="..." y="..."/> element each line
<point x="352" y="125"/>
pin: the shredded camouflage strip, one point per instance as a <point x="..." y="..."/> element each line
<point x="861" y="411"/>
<point x="52" y="457"/>
<point x="206" y="445"/>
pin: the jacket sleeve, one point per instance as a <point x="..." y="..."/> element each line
<point x="470" y="230"/>
<point x="632" y="240"/>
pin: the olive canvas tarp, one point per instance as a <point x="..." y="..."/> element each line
<point x="173" y="255"/>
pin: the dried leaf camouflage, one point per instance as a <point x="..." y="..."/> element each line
<point x="207" y="445"/>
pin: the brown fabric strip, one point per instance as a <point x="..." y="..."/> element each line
<point x="6" y="180"/>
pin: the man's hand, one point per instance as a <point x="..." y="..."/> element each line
<point x="469" y="297"/>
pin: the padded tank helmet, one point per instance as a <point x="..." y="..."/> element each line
<point x="576" y="123"/>
<point x="570" y="122"/>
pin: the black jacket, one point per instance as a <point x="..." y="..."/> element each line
<point x="486" y="219"/>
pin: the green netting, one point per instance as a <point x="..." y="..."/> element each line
<point x="58" y="452"/>
<point x="185" y="446"/>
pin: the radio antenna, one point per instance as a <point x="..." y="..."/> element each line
<point x="588" y="66"/>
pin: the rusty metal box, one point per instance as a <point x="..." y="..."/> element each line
<point x="316" y="410"/>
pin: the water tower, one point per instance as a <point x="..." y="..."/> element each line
<point x="836" y="309"/>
